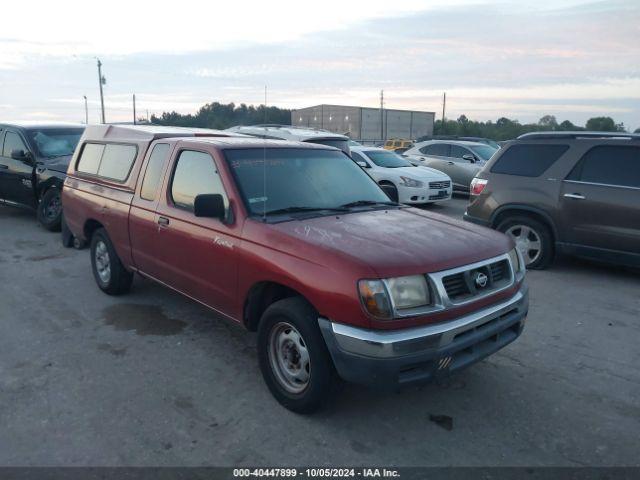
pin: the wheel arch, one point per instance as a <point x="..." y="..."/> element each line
<point x="90" y="227"/>
<point x="261" y="295"/>
<point x="525" y="210"/>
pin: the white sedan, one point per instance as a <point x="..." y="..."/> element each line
<point x="403" y="181"/>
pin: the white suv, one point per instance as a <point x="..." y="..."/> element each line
<point x="403" y="182"/>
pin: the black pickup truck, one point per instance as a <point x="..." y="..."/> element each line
<point x="33" y="164"/>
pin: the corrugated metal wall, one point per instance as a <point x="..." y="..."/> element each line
<point x="363" y="124"/>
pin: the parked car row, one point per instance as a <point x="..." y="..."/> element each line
<point x="307" y="243"/>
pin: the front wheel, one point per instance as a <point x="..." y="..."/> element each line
<point x="110" y="274"/>
<point x="294" y="359"/>
<point x="50" y="210"/>
<point x="533" y="240"/>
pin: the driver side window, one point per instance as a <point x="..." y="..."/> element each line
<point x="195" y="174"/>
<point x="458" y="152"/>
<point x="12" y="142"/>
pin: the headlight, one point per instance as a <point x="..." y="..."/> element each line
<point x="403" y="292"/>
<point x="516" y="261"/>
<point x="409" y="292"/>
<point x="410" y="182"/>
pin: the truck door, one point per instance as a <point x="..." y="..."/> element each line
<point x="195" y="255"/>
<point x="16" y="170"/>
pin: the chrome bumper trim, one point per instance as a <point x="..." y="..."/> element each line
<point x="394" y="343"/>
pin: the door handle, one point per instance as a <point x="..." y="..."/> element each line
<point x="575" y="196"/>
<point x="164" y="221"/>
<point x="451" y="163"/>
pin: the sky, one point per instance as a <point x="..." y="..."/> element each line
<point x="574" y="59"/>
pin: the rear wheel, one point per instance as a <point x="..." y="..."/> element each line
<point x="294" y="359"/>
<point x="110" y="274"/>
<point x="50" y="210"/>
<point x="533" y="240"/>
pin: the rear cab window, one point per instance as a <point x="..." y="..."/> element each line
<point x="528" y="160"/>
<point x="614" y="165"/>
<point x="110" y="161"/>
<point x="154" y="171"/>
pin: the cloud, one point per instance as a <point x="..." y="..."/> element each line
<point x="573" y="58"/>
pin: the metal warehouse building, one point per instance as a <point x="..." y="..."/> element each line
<point x="363" y="124"/>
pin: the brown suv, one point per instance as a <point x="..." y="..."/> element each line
<point x="576" y="193"/>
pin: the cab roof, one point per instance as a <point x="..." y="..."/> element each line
<point x="29" y="124"/>
<point x="146" y="133"/>
<point x="244" y="141"/>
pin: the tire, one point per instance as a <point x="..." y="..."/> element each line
<point x="529" y="234"/>
<point x="50" y="210"/>
<point x="293" y="323"/>
<point x="108" y="271"/>
<point x="391" y="190"/>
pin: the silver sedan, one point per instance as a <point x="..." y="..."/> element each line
<point x="459" y="159"/>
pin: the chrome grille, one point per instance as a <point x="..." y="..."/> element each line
<point x="465" y="284"/>
<point x="440" y="185"/>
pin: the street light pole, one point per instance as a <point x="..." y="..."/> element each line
<point x="86" y="111"/>
<point x="101" y="81"/>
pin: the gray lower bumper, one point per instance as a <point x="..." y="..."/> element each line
<point x="400" y="357"/>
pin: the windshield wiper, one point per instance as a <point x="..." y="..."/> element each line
<point x="285" y="210"/>
<point x="368" y="203"/>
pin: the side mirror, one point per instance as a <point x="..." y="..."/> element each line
<point x="20" y="154"/>
<point x="363" y="164"/>
<point x="210" y="205"/>
<point x="469" y="158"/>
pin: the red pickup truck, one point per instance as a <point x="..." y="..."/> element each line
<point x="295" y="241"/>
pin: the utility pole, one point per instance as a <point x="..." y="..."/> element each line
<point x="86" y="111"/>
<point x="134" y="108"/>
<point x="101" y="81"/>
<point x="444" y="106"/>
<point x="382" y="116"/>
<point x="148" y="115"/>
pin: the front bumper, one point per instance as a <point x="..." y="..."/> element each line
<point x="419" y="195"/>
<point x="395" y="358"/>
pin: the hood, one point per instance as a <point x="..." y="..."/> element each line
<point x="393" y="242"/>
<point x="58" y="164"/>
<point x="422" y="172"/>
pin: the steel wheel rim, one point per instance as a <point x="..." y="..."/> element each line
<point x="53" y="207"/>
<point x="528" y="242"/>
<point x="103" y="262"/>
<point x="289" y="358"/>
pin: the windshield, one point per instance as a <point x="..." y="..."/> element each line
<point x="306" y="178"/>
<point x="387" y="159"/>
<point x="56" y="142"/>
<point x="484" y="151"/>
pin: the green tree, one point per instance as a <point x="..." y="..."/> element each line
<point x="548" y="122"/>
<point x="604" y="124"/>
<point x="221" y="116"/>
<point x="567" y="126"/>
<point x="637" y="130"/>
